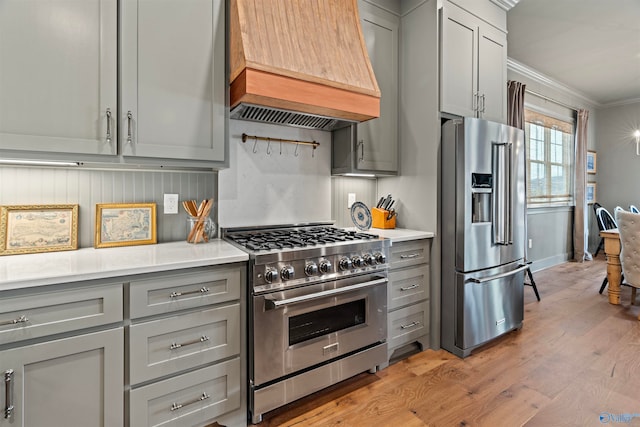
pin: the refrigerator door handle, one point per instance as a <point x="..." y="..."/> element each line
<point x="508" y="188"/>
<point x="502" y="223"/>
<point x="499" y="276"/>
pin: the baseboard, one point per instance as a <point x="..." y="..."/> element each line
<point x="541" y="264"/>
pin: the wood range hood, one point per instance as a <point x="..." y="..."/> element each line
<point x="301" y="63"/>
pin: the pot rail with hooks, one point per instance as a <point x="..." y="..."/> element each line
<point x="269" y="140"/>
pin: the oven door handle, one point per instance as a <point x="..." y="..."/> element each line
<point x="272" y="303"/>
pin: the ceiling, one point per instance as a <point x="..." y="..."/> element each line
<point x="591" y="46"/>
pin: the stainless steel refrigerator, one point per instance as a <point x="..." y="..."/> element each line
<point x="482" y="220"/>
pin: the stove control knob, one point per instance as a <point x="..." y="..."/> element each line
<point x="345" y="264"/>
<point x="325" y="267"/>
<point x="368" y="259"/>
<point x="311" y="269"/>
<point x="287" y="273"/>
<point x="270" y="275"/>
<point x="357" y="261"/>
<point x="380" y="258"/>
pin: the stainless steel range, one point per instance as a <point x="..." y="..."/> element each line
<point x="317" y="308"/>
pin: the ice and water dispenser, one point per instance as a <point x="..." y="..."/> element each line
<point x="481" y="194"/>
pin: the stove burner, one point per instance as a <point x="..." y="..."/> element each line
<point x="295" y="238"/>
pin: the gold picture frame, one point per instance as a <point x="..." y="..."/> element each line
<point x="125" y="224"/>
<point x="28" y="229"/>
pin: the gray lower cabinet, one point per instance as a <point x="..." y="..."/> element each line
<point x="408" y="296"/>
<point x="185" y="364"/>
<point x="56" y="372"/>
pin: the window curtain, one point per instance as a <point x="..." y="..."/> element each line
<point x="580" y="220"/>
<point x="515" y="104"/>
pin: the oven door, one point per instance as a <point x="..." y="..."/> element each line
<point x="299" y="328"/>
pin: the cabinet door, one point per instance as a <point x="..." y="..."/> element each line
<point x="173" y="79"/>
<point x="377" y="142"/>
<point x="58" y="76"/>
<point x="458" y="79"/>
<point x="492" y="74"/>
<point x="75" y="381"/>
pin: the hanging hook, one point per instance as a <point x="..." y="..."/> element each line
<point x="268" y="145"/>
<point x="313" y="152"/>
<point x="255" y="146"/>
<point x="296" y="152"/>
<point x="281" y="147"/>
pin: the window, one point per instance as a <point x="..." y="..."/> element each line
<point x="550" y="148"/>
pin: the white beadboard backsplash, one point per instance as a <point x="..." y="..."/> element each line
<point x="279" y="187"/>
<point x="87" y="187"/>
<point x="364" y="189"/>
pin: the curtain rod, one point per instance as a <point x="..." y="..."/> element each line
<point x="546" y="98"/>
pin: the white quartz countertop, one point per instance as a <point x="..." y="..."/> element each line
<point x="24" y="271"/>
<point x="401" y="234"/>
<point x="398" y="234"/>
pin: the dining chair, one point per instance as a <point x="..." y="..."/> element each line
<point x="633" y="209"/>
<point x="618" y="208"/>
<point x="629" y="228"/>
<point x="605" y="222"/>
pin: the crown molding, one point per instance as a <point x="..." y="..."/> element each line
<point x="505" y="4"/>
<point x="621" y="103"/>
<point x="545" y="80"/>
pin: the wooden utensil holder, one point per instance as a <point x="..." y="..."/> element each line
<point x="379" y="219"/>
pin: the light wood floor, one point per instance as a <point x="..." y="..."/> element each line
<point x="576" y="357"/>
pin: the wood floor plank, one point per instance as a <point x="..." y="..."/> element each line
<point x="576" y="357"/>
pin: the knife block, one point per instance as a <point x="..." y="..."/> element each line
<point x="379" y="219"/>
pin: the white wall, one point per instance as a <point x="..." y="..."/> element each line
<point x="263" y="189"/>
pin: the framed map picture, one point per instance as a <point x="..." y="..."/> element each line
<point x="125" y="224"/>
<point x="591" y="161"/>
<point x="29" y="229"/>
<point x="591" y="193"/>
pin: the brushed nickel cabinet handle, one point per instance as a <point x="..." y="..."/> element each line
<point x="176" y="406"/>
<point x="109" y="125"/>
<point x="410" y="325"/>
<point x="203" y="338"/>
<point x="202" y="290"/>
<point x="407" y="288"/>
<point x="361" y="144"/>
<point x="129" y="126"/>
<point x="8" y="393"/>
<point x="21" y="319"/>
<point x="409" y="256"/>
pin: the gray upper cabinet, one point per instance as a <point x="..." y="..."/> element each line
<point x="372" y="146"/>
<point x="173" y="79"/>
<point x="473" y="67"/>
<point x="58" y="67"/>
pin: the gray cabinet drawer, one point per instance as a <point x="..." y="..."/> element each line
<point x="188" y="399"/>
<point x="408" y="286"/>
<point x="169" y="345"/>
<point x="40" y="314"/>
<point x="405" y="254"/>
<point x="407" y="324"/>
<point x="172" y="292"/>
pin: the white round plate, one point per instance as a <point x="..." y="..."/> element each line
<point x="361" y="216"/>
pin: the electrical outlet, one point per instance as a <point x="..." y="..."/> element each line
<point x="530" y="243"/>
<point x="351" y="199"/>
<point x="170" y="203"/>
